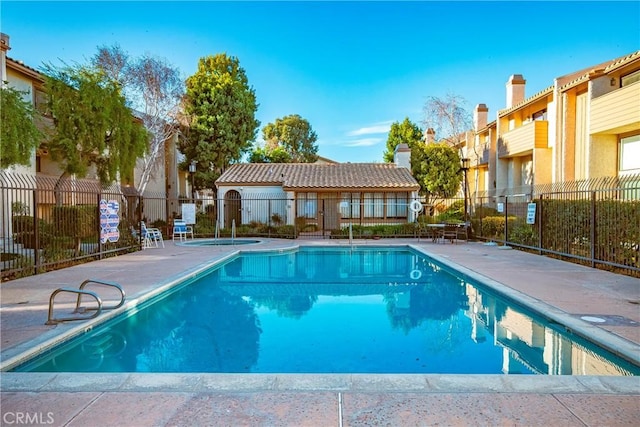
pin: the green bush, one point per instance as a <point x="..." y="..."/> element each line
<point x="523" y="233"/>
<point x="75" y="221"/>
<point x="492" y="227"/>
<point x="454" y="213"/>
<point x="24" y="232"/>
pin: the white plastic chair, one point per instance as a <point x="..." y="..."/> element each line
<point x="181" y="229"/>
<point x="151" y="237"/>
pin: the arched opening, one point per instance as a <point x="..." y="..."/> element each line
<point x="232" y="208"/>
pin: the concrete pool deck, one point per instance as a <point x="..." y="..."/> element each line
<point x="564" y="290"/>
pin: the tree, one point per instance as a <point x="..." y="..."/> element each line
<point x="92" y="124"/>
<point x="295" y="136"/>
<point x="449" y="119"/>
<point x="436" y="167"/>
<point x="220" y="110"/>
<point x="19" y="133"/>
<point x="402" y="133"/>
<point x="154" y="90"/>
<point x="264" y="155"/>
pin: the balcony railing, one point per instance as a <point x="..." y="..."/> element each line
<point x="617" y="111"/>
<point x="524" y="139"/>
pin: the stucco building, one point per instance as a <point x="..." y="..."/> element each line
<point x="585" y="125"/>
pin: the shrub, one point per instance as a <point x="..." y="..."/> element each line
<point x="523" y="233"/>
<point x="492" y="227"/>
<point x="276" y="219"/>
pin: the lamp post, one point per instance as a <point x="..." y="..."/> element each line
<point x="192" y="171"/>
<point x="464" y="167"/>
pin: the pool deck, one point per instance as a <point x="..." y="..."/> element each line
<point x="562" y="290"/>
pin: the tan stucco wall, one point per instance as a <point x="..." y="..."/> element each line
<point x="603" y="156"/>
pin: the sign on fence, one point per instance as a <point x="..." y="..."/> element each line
<point x="189" y="213"/>
<point x="531" y="213"/>
<point x="109" y="221"/>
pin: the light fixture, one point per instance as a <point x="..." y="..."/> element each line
<point x="192" y="171"/>
<point x="613" y="81"/>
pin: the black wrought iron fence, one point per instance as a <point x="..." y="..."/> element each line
<point x="592" y="222"/>
<point x="48" y="223"/>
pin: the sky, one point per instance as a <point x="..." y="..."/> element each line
<point x="351" y="69"/>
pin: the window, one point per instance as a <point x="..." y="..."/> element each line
<point x="630" y="154"/>
<point x="307" y="204"/>
<point x="41" y="103"/>
<point x="350" y="205"/>
<point x="373" y="205"/>
<point x="540" y="115"/>
<point x="630" y="78"/>
<point x="397" y="205"/>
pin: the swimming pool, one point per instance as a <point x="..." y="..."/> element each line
<point x="338" y="310"/>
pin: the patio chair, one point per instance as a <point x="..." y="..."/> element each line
<point x="151" y="237"/>
<point x="463" y="231"/>
<point x="181" y="230"/>
<point x="450" y="232"/>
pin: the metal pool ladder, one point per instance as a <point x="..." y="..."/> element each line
<point x="81" y="292"/>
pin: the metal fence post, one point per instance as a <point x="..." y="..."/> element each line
<point x="506" y="219"/>
<point x="36" y="232"/>
<point x="594" y="235"/>
<point x="99" y="196"/>
<point x="539" y="213"/>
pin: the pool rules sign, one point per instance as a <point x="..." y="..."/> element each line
<point x="531" y="213"/>
<point x="109" y="221"/>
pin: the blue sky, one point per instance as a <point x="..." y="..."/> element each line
<point x="349" y="68"/>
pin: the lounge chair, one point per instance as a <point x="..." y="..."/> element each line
<point x="151" y="237"/>
<point x="181" y="230"/>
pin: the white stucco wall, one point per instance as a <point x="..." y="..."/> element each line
<point x="258" y="203"/>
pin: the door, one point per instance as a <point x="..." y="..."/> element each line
<point x="328" y="211"/>
<point x="232" y="208"/>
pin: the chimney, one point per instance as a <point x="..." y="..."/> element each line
<point x="515" y="90"/>
<point x="430" y="136"/>
<point x="480" y="115"/>
<point x="4" y="42"/>
<point x="4" y="47"/>
<point x="402" y="156"/>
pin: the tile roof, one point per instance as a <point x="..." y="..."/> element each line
<point x="294" y="176"/>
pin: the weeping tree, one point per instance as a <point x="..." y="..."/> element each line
<point x="406" y="132"/>
<point x="18" y="131"/>
<point x="292" y="135"/>
<point x="154" y="90"/>
<point x="92" y="125"/>
<point x="220" y="109"/>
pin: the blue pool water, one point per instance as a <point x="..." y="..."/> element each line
<point x="331" y="310"/>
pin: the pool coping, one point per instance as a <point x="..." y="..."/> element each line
<point x="424" y="383"/>
<point x="22" y="381"/>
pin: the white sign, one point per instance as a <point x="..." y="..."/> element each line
<point x="189" y="213"/>
<point x="531" y="213"/>
<point x="500" y="207"/>
<point x="109" y="221"/>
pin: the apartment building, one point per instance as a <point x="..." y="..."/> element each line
<point x="585" y="125"/>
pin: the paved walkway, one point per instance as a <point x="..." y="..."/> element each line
<point x="564" y="291"/>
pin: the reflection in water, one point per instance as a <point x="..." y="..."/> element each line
<point x="340" y="310"/>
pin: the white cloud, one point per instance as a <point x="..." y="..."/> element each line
<point x="363" y="142"/>
<point x="376" y="128"/>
